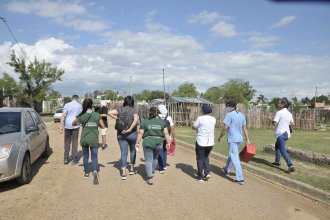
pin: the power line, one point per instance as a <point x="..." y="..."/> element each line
<point x="12" y="34"/>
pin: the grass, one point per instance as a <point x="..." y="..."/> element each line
<point x="313" y="141"/>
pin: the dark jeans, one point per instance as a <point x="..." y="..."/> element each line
<point x="95" y="162"/>
<point x="162" y="158"/>
<point x="202" y="157"/>
<point x="280" y="148"/>
<point x="71" y="136"/>
<point x="127" y="141"/>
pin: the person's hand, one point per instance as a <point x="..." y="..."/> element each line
<point x="270" y="118"/>
<point x="167" y="146"/>
<point x="137" y="148"/>
<point x="61" y="129"/>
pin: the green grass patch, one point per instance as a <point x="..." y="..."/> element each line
<point x="312" y="141"/>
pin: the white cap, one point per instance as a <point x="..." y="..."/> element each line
<point x="162" y="109"/>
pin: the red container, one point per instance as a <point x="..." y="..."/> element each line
<point x="171" y="151"/>
<point x="247" y="153"/>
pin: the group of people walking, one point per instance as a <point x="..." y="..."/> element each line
<point x="157" y="131"/>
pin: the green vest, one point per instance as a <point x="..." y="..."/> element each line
<point x="90" y="132"/>
<point x="153" y="132"/>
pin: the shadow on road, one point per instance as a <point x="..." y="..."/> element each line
<point x="12" y="184"/>
<point x="187" y="169"/>
<point x="267" y="163"/>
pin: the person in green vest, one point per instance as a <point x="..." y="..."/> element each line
<point x="153" y="131"/>
<point x="89" y="139"/>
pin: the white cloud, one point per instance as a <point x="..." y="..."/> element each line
<point x="61" y="12"/>
<point x="260" y="41"/>
<point x="204" y="17"/>
<point x="223" y="29"/>
<point x="284" y="21"/>
<point x="144" y="55"/>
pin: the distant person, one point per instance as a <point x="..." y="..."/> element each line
<point x="204" y="126"/>
<point x="70" y="111"/>
<point x="162" y="158"/>
<point x="127" y="137"/>
<point x="234" y="126"/>
<point x="89" y="139"/>
<point x="282" y="120"/>
<point x="103" y="111"/>
<point x="153" y="131"/>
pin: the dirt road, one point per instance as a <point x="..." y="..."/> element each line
<point x="60" y="191"/>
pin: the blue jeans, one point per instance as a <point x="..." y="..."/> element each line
<point x="151" y="158"/>
<point x="202" y="157"/>
<point x="127" y="141"/>
<point x="280" y="148"/>
<point x="95" y="162"/>
<point x="233" y="160"/>
<point x="162" y="158"/>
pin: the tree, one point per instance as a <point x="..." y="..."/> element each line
<point x="238" y="90"/>
<point x="305" y="101"/>
<point x="52" y="95"/>
<point x="262" y="99"/>
<point x="213" y="94"/>
<point x="35" y="78"/>
<point x="110" y="95"/>
<point x="9" y="85"/>
<point x="186" y="90"/>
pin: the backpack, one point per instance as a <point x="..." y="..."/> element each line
<point x="123" y="120"/>
<point x="167" y="124"/>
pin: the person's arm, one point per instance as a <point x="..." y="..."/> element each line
<point x="173" y="132"/>
<point x="113" y="113"/>
<point x="62" y="122"/>
<point x="133" y="125"/>
<point x="101" y="123"/>
<point x="246" y="133"/>
<point x="167" y="138"/>
<point x="75" y="122"/>
<point x="223" y="132"/>
<point x="139" y="138"/>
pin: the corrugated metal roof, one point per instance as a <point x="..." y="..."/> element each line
<point x="174" y="99"/>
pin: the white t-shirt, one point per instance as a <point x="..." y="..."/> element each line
<point x="72" y="110"/>
<point x="169" y="118"/>
<point x="205" y="130"/>
<point x="283" y="118"/>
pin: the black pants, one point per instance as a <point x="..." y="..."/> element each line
<point x="202" y="157"/>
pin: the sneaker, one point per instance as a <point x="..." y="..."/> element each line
<point x="276" y="163"/>
<point x="206" y="176"/>
<point x="150" y="181"/>
<point x="74" y="162"/>
<point x="291" y="169"/>
<point x="240" y="182"/>
<point x="224" y="170"/>
<point x="66" y="160"/>
<point x="200" y="179"/>
<point x="86" y="175"/>
<point x="104" y="146"/>
<point x="162" y="171"/>
<point x="132" y="172"/>
<point x="123" y="177"/>
<point x="96" y="178"/>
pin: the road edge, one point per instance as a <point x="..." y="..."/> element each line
<point x="287" y="183"/>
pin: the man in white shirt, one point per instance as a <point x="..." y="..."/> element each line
<point x="282" y="120"/>
<point x="70" y="111"/>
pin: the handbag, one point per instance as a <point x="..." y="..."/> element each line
<point x="171" y="150"/>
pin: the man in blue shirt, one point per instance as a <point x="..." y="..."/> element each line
<point x="70" y="111"/>
<point x="234" y="126"/>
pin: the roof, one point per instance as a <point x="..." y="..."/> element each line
<point x="174" y="99"/>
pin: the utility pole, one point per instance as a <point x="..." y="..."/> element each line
<point x="130" y="84"/>
<point x="164" y="85"/>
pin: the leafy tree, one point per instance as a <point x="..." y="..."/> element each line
<point x="52" y="94"/>
<point x="66" y="99"/>
<point x="238" y="90"/>
<point x="150" y="95"/>
<point x="35" y="78"/>
<point x="262" y="99"/>
<point x="213" y="94"/>
<point x="296" y="106"/>
<point x="9" y="85"/>
<point x="186" y="90"/>
<point x="305" y="101"/>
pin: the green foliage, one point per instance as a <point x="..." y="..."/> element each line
<point x="186" y="90"/>
<point x="150" y="95"/>
<point x="110" y="95"/>
<point x="238" y="90"/>
<point x="66" y="99"/>
<point x="9" y="85"/>
<point x="52" y="95"/>
<point x="35" y="78"/>
<point x="213" y="94"/>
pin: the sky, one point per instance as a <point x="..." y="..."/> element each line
<point x="281" y="47"/>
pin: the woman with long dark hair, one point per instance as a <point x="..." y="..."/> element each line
<point x="89" y="139"/>
<point x="153" y="131"/>
<point x="127" y="137"/>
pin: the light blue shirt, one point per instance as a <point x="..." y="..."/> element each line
<point x="72" y="110"/>
<point x="235" y="122"/>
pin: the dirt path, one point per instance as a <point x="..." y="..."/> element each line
<point x="60" y="191"/>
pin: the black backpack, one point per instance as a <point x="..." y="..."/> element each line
<point x="123" y="120"/>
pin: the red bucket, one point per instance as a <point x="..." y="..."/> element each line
<point x="171" y="150"/>
<point x="247" y="153"/>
